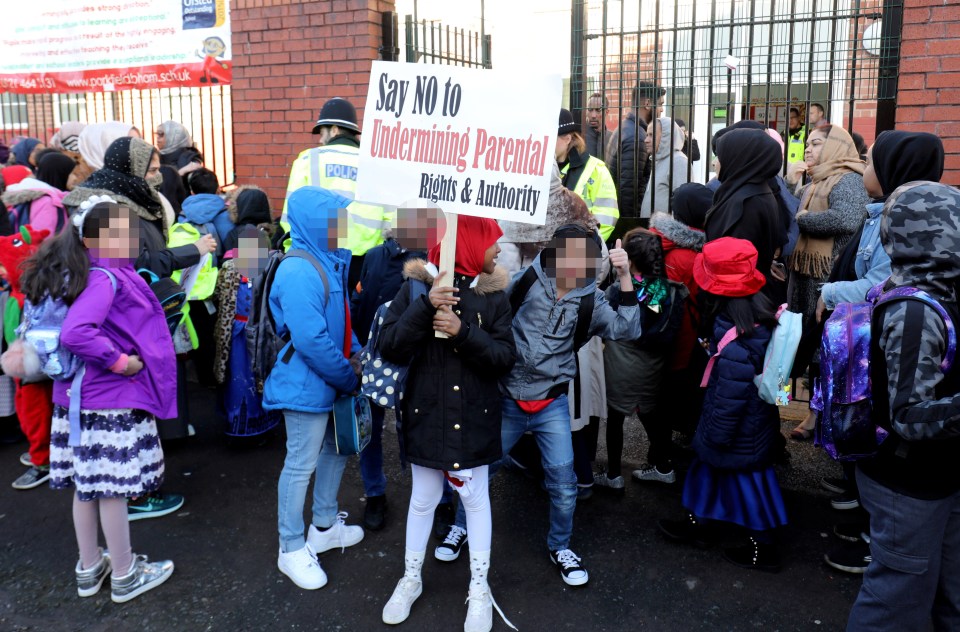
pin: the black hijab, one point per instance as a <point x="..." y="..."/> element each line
<point x="748" y="160"/>
<point x="55" y="168"/>
<point x="253" y="209"/>
<point x="897" y="158"/>
<point x="691" y="201"/>
<point x="744" y="124"/>
<point x="124" y="169"/>
<point x="902" y="157"/>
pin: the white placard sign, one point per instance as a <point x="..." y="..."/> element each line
<point x="476" y="142"/>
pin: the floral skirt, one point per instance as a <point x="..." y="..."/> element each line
<point x="119" y="454"/>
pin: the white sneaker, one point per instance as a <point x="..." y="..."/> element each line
<point x="651" y="473"/>
<point x="479" y="610"/>
<point x="398" y="608"/>
<point x="338" y="535"/>
<point x="302" y="568"/>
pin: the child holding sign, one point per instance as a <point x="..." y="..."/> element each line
<point x="546" y="300"/>
<point x="451" y="401"/>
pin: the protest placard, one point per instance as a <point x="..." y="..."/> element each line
<point x="476" y="142"/>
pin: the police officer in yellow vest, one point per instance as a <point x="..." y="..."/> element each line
<point x="586" y="175"/>
<point x="796" y="144"/>
<point x="333" y="165"/>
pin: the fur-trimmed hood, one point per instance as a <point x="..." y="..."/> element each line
<point x="418" y="270"/>
<point x="677" y="232"/>
<point x="12" y="198"/>
<point x="230" y="199"/>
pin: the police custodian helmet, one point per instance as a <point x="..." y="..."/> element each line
<point x="339" y="112"/>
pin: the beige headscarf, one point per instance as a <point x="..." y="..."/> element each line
<point x="813" y="256"/>
<point x="96" y="137"/>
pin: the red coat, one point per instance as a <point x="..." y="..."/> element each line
<point x="680" y="247"/>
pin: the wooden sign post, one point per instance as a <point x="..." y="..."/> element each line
<point x="448" y="255"/>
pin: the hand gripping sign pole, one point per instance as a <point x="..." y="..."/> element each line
<point x="454" y="136"/>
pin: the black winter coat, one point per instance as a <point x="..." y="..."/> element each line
<point x="451" y="401"/>
<point x="737" y="429"/>
<point x="380" y="278"/>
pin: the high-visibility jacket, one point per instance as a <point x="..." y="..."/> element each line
<point x="185" y="233"/>
<point x="334" y="167"/>
<point x="595" y="185"/>
<point x="797" y="144"/>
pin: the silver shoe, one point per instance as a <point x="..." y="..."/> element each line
<point x="144" y="576"/>
<point x="89" y="581"/>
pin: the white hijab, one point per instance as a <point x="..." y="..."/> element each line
<point x="95" y="138"/>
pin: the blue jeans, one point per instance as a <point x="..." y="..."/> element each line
<point x="311" y="447"/>
<point x="915" y="572"/>
<point x="551" y="429"/>
<point x="371" y="459"/>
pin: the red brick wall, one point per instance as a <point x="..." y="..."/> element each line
<point x="928" y="98"/>
<point x="289" y="56"/>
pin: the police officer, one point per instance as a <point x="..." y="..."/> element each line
<point x="333" y="165"/>
<point x="586" y="175"/>
<point x="796" y="145"/>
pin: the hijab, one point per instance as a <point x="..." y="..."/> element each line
<point x="474" y="236"/>
<point x="96" y="138"/>
<point x="744" y="124"/>
<point x="68" y="136"/>
<point x="748" y="160"/>
<point x="22" y="151"/>
<point x="902" y="157"/>
<point x="813" y="256"/>
<point x="691" y="201"/>
<point x="124" y="169"/>
<point x="55" y="169"/>
<point x="176" y="137"/>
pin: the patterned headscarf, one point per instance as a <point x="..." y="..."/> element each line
<point x="95" y="138"/>
<point x="125" y="167"/>
<point x="68" y="136"/>
<point x="176" y="137"/>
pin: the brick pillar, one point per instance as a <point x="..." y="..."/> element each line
<point x="928" y="98"/>
<point x="289" y="56"/>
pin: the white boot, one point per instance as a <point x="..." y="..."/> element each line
<point x="408" y="589"/>
<point x="480" y="602"/>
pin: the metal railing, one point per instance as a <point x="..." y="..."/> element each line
<point x="432" y="42"/>
<point x="721" y="61"/>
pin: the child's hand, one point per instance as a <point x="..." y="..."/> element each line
<point x="619" y="260"/>
<point x="134" y="366"/>
<point x="446" y="321"/>
<point x="443" y="295"/>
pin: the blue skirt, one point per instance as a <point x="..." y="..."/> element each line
<point x="750" y="499"/>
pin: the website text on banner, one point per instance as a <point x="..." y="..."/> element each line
<point x="476" y="142"/>
<point x="108" y="45"/>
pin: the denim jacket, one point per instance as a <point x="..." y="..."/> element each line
<point x="872" y="264"/>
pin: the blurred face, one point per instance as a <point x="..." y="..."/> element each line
<point x="253" y="248"/>
<point x="870" y="181"/>
<point x="337" y="228"/>
<point x="161" y="139"/>
<point x="118" y="238"/>
<point x="563" y="146"/>
<point x="576" y="265"/>
<point x="419" y="228"/>
<point x="595" y="112"/>
<point x="814" y="148"/>
<point x="490" y="257"/>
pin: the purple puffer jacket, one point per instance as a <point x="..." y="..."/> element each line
<point x="101" y="326"/>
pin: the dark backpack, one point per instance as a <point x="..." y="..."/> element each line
<point x="584" y="311"/>
<point x="659" y="330"/>
<point x="20" y="216"/>
<point x="849" y="427"/>
<point x="170" y="294"/>
<point x="264" y="345"/>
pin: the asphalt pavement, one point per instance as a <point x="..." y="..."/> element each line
<point x="224" y="544"/>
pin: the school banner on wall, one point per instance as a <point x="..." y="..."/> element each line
<point x="57" y="46"/>
<point x="475" y="142"/>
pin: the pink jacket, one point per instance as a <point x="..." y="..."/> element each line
<point x="46" y="203"/>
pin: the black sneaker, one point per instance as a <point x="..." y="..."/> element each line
<point x="443" y="517"/>
<point x="686" y="531"/>
<point x="845" y="502"/>
<point x="850" y="532"/>
<point x="571" y="567"/>
<point x="449" y="551"/>
<point x="375" y="513"/>
<point x="755" y="555"/>
<point x="850" y="558"/>
<point x="834" y="485"/>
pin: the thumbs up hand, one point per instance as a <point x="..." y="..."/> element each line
<point x="620" y="261"/>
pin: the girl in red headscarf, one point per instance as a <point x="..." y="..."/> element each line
<point x="450" y="407"/>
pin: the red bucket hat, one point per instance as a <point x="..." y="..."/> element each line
<point x="728" y="267"/>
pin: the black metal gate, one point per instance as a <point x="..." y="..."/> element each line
<point x="720" y="61"/>
<point x="429" y="41"/>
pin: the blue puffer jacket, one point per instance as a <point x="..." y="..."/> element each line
<point x="318" y="370"/>
<point x="737" y="429"/>
<point x="207" y="208"/>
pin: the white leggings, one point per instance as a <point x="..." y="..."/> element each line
<point x="425" y="496"/>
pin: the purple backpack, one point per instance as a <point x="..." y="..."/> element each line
<point x="847" y="428"/>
